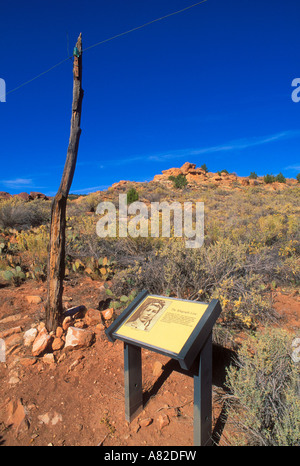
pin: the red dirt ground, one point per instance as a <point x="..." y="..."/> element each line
<point x="83" y="403"/>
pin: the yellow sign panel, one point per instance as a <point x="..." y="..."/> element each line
<point x="162" y="322"/>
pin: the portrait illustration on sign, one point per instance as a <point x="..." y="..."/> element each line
<point x="147" y="314"/>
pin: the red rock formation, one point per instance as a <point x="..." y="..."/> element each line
<point x="35" y="195"/>
<point x="24" y="196"/>
<point x="5" y="195"/>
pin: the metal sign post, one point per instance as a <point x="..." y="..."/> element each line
<point x="203" y="396"/>
<point x="133" y="381"/>
<point x="143" y="324"/>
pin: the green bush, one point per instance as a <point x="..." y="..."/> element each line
<point x="204" y="167"/>
<point x="298" y="177"/>
<point x="263" y="403"/>
<point x="280" y="178"/>
<point x="269" y="179"/>
<point x="132" y="195"/>
<point x="253" y="176"/>
<point x="179" y="181"/>
<point x="224" y="172"/>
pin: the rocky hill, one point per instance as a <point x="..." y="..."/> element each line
<point x="194" y="176"/>
<point x="199" y="176"/>
<point x="24" y="196"/>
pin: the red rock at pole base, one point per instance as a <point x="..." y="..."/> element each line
<point x="78" y="338"/>
<point x="108" y="313"/>
<point x="57" y="344"/>
<point x="41" y="342"/>
<point x="93" y="317"/>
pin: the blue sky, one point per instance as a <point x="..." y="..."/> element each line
<point x="209" y="85"/>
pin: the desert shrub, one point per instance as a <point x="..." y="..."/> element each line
<point x="140" y="265"/>
<point x="81" y="237"/>
<point x="81" y="204"/>
<point x="298" y="177"/>
<point x="271" y="228"/>
<point x="221" y="192"/>
<point x="77" y="207"/>
<point x="154" y="196"/>
<point x="204" y="167"/>
<point x="34" y="240"/>
<point x="72" y="196"/>
<point x="23" y="215"/>
<point x="253" y="176"/>
<point x="269" y="179"/>
<point x="33" y="244"/>
<point x="132" y="195"/>
<point x="91" y="201"/>
<point x="288" y="272"/>
<point x="154" y="192"/>
<point x="146" y="275"/>
<point x="225" y="271"/>
<point x="280" y="178"/>
<point x="179" y="181"/>
<point x="263" y="402"/>
<point x="245" y="301"/>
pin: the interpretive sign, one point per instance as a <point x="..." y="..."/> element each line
<point x="178" y="328"/>
<point x="162" y="323"/>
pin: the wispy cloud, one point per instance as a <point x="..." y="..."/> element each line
<point x="89" y="190"/>
<point x="18" y="183"/>
<point x="239" y="144"/>
<point x="295" y="167"/>
<point x="231" y="146"/>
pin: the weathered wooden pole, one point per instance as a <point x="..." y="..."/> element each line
<point x="56" y="253"/>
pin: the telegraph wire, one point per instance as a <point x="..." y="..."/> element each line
<point x="143" y="25"/>
<point x="38" y="76"/>
<point x="108" y="40"/>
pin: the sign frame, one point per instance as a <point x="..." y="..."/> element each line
<point x="196" y="352"/>
<point x="195" y="341"/>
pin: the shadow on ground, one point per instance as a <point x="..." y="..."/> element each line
<point x="221" y="360"/>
